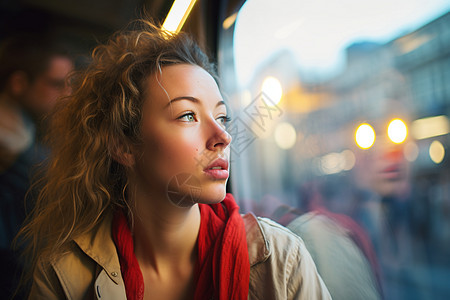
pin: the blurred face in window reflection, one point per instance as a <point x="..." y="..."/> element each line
<point x="183" y="132"/>
<point x="383" y="168"/>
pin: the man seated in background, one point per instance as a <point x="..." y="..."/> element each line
<point x="33" y="73"/>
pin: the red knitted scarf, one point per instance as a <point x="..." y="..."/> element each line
<point x="129" y="266"/>
<point x="222" y="270"/>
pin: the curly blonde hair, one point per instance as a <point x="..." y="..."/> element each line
<point x="83" y="182"/>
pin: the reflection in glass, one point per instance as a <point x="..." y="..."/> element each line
<point x="365" y="136"/>
<point x="285" y="135"/>
<point x="437" y="152"/>
<point x="272" y="88"/>
<point x="397" y="131"/>
<point x="365" y="90"/>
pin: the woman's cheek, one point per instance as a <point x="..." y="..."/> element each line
<point x="183" y="152"/>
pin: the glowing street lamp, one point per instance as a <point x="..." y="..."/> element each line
<point x="365" y="136"/>
<point x="436" y="152"/>
<point x="397" y="131"/>
<point x="271" y="86"/>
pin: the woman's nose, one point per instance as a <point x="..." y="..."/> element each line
<point x="218" y="136"/>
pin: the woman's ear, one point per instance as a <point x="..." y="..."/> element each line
<point x="121" y="152"/>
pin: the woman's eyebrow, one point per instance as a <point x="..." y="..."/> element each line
<point x="189" y="98"/>
<point x="192" y="99"/>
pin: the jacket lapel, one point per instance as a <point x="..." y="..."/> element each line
<point x="107" y="289"/>
<point x="257" y="244"/>
<point x="98" y="244"/>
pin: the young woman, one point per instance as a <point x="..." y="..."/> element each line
<point x="133" y="205"/>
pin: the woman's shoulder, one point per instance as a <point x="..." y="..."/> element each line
<point x="266" y="237"/>
<point x="60" y="276"/>
<point x="281" y="266"/>
<point x="83" y="261"/>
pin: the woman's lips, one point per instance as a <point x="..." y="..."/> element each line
<point x="217" y="174"/>
<point x="218" y="169"/>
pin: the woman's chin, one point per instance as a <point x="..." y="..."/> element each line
<point x="212" y="195"/>
<point x="190" y="195"/>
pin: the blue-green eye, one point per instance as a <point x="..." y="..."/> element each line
<point x="188" y="117"/>
<point x="224" y="119"/>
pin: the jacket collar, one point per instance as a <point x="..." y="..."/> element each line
<point x="257" y="244"/>
<point x="99" y="245"/>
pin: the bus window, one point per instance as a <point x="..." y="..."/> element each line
<point x="343" y="106"/>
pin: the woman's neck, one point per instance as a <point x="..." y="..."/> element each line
<point x="165" y="236"/>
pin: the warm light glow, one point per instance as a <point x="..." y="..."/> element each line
<point x="229" y="21"/>
<point x="430" y="127"/>
<point x="285" y="135"/>
<point x="348" y="159"/>
<point x="331" y="163"/>
<point x="411" y="42"/>
<point x="397" y="131"/>
<point x="365" y="136"/>
<point x="272" y="88"/>
<point x="177" y="15"/>
<point x="411" y="151"/>
<point x="437" y="152"/>
<point x="334" y="162"/>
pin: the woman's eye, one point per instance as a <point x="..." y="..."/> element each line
<point x="224" y="119"/>
<point x="189" y="117"/>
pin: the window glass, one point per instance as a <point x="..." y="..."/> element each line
<point x="342" y="107"/>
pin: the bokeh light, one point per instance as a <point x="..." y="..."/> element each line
<point x="333" y="163"/>
<point x="272" y="88"/>
<point x="349" y="160"/>
<point x="365" y="136"/>
<point x="437" y="152"/>
<point x="397" y="131"/>
<point x="285" y="135"/>
<point x="430" y="127"/>
<point x="411" y="151"/>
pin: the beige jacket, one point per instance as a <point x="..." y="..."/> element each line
<point x="281" y="267"/>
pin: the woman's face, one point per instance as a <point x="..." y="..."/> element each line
<point x="185" y="149"/>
